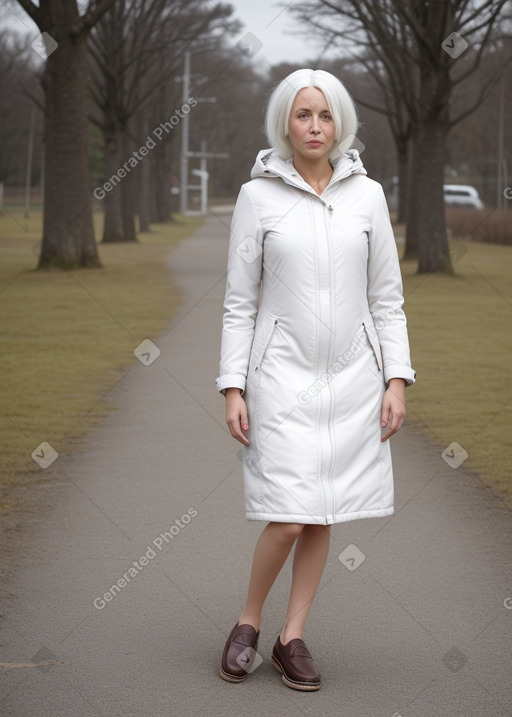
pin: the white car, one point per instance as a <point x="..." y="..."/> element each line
<point x="462" y="195"/>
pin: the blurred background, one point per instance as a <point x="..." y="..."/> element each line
<point x="136" y="56"/>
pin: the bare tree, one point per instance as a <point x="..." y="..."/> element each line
<point x="136" y="50"/>
<point x="68" y="237"/>
<point x="17" y="78"/>
<point x="415" y="48"/>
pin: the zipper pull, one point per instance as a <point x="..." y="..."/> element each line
<point x="331" y="210"/>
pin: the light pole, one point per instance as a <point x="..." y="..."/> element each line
<point x="186" y="154"/>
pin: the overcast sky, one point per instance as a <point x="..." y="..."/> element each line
<point x="270" y="21"/>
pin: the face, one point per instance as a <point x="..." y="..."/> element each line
<point x="311" y="129"/>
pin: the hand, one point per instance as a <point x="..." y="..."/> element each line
<point x="393" y="407"/>
<point x="236" y="415"/>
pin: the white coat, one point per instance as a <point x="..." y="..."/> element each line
<point x="313" y="329"/>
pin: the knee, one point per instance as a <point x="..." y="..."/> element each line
<point x="287" y="532"/>
<point x="317" y="529"/>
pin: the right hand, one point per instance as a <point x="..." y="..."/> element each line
<point x="236" y="415"/>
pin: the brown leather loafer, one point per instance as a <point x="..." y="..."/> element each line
<point x="296" y="665"/>
<point x="240" y="638"/>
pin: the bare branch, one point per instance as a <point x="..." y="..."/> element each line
<point x="94" y="13"/>
<point x="32" y="11"/>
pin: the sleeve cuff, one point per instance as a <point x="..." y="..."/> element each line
<point x="405" y="372"/>
<point x="230" y="380"/>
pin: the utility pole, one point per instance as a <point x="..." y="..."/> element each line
<point x="202" y="173"/>
<point x="184" y="138"/>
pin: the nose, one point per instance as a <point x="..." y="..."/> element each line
<point x="314" y="127"/>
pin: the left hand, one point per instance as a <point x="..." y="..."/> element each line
<point x="393" y="407"/>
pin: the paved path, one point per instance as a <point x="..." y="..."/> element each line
<point x="419" y="628"/>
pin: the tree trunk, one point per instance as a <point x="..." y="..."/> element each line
<point x="112" y="221"/>
<point x="143" y="179"/>
<point x="143" y="198"/>
<point x="162" y="195"/>
<point x="426" y="215"/>
<point x="68" y="237"/>
<point x="151" y="205"/>
<point x="128" y="196"/>
<point x="403" y="178"/>
<point x="412" y="217"/>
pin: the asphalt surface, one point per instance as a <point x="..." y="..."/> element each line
<point x="414" y="620"/>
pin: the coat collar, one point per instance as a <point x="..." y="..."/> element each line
<point x="270" y="164"/>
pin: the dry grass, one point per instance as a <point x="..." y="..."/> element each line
<point x="461" y="345"/>
<point x="68" y="336"/>
<point x="489" y="225"/>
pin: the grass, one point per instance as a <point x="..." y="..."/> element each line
<point x="461" y="344"/>
<point x="67" y="337"/>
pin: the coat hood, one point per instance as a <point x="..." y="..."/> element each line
<point x="270" y="164"/>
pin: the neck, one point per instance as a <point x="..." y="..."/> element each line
<point x="316" y="173"/>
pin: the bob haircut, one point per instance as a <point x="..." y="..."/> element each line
<point x="339" y="102"/>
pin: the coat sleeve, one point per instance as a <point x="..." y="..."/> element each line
<point x="385" y="295"/>
<point x="242" y="292"/>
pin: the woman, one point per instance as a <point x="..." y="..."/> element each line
<point x="315" y="355"/>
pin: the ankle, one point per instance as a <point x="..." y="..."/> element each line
<point x="286" y="635"/>
<point x="246" y="619"/>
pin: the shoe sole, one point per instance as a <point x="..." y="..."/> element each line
<point x="232" y="678"/>
<point x="302" y="686"/>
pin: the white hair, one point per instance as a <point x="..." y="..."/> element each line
<point x="340" y="104"/>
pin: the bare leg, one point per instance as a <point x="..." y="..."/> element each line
<point x="270" y="553"/>
<point x="308" y="564"/>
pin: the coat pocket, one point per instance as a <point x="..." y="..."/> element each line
<point x="262" y="338"/>
<point x="373" y="339"/>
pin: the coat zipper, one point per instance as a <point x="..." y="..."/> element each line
<point x="332" y="441"/>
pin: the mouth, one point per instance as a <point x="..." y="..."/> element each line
<point x="314" y="143"/>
